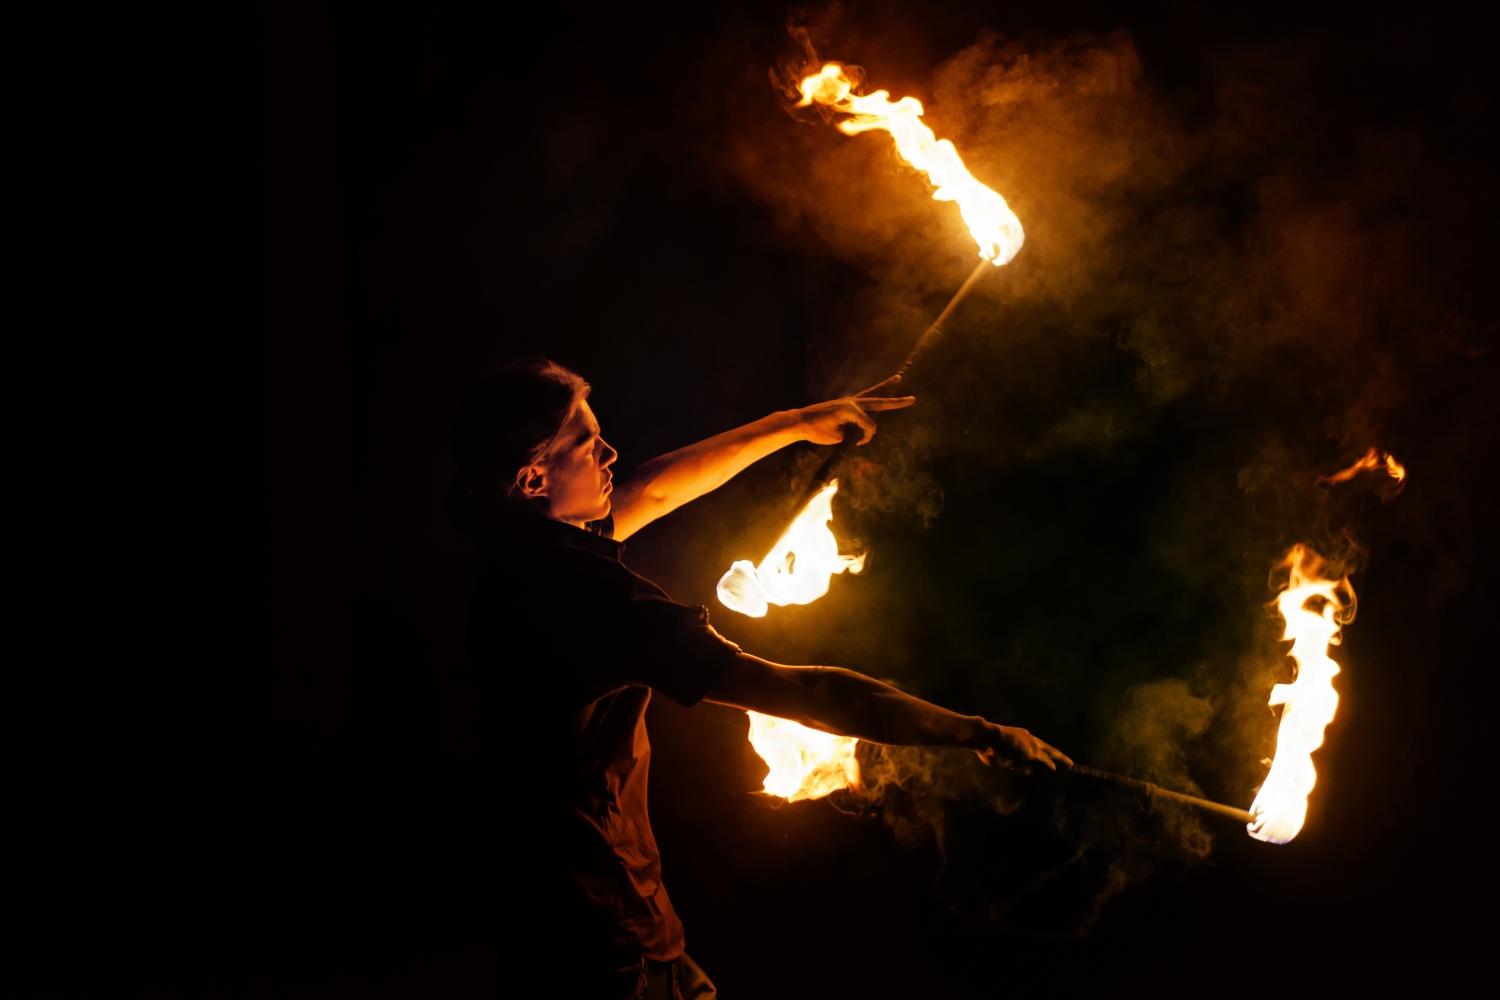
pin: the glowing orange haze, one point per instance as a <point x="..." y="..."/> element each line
<point x="991" y="222"/>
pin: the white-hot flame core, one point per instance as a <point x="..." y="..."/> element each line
<point x="994" y="226"/>
<point x="798" y="568"/>
<point x="1309" y="702"/>
<point x="805" y="763"/>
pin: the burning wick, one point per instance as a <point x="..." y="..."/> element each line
<point x="994" y="226"/>
<point x="990" y="221"/>
<point x="1309" y="702"/>
<point x="805" y="763"/>
<point x="798" y="568"/>
<point x="1369" y="463"/>
<point x="1156" y="791"/>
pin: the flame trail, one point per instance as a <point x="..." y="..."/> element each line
<point x="779" y="579"/>
<point x="1369" y="463"/>
<point x="798" y="568"/>
<point x="991" y="222"/>
<point x="1309" y="702"/>
<point x="805" y="763"/>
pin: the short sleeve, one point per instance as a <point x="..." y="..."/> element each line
<point x="675" y="650"/>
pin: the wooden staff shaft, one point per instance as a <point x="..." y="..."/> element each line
<point x="932" y="332"/>
<point x="1156" y="791"/>
<point x="852" y="432"/>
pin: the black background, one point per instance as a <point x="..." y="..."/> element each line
<point x="298" y="233"/>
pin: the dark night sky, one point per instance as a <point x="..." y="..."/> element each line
<point x="1258" y="243"/>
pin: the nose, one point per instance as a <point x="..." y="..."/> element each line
<point x="608" y="455"/>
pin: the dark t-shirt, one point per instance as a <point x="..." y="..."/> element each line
<point x="568" y="644"/>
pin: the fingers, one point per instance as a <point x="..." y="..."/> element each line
<point x="878" y="386"/>
<point x="822" y="419"/>
<point x="1037" y="750"/>
<point x="991" y="758"/>
<point x="858" y="411"/>
<point x="1045" y="753"/>
<point x="1033" y="750"/>
<point x="1019" y="749"/>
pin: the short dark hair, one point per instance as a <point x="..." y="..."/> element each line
<point x="505" y="423"/>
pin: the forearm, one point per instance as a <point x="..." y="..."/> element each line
<point x="845" y="703"/>
<point x="663" y="484"/>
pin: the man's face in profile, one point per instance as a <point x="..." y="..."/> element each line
<point x="575" y="475"/>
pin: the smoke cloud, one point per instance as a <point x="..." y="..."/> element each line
<point x="1217" y="304"/>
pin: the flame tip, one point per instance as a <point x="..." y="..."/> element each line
<point x="1371" y="461"/>
<point x="991" y="222"/>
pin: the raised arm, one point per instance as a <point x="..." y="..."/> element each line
<point x="663" y="484"/>
<point x="845" y="703"/>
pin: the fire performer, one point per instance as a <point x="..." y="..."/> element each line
<point x="568" y="645"/>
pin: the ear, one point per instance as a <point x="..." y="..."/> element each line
<point x="531" y="482"/>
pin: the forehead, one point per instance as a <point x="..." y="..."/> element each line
<point x="581" y="422"/>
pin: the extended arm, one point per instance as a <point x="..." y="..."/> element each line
<point x="663" y="484"/>
<point x="845" y="703"/>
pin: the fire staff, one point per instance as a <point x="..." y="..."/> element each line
<point x="568" y="644"/>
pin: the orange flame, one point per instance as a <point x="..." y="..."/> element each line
<point x="798" y="568"/>
<point x="994" y="226"/>
<point x="1369" y="463"/>
<point x="805" y="764"/>
<point x="1309" y="702"/>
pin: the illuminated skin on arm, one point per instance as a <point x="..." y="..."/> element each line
<point x="845" y="703"/>
<point x="576" y="476"/>
<point x="577" y="479"/>
<point x="663" y="484"/>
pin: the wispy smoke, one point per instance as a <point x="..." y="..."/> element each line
<point x="1217" y="304"/>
